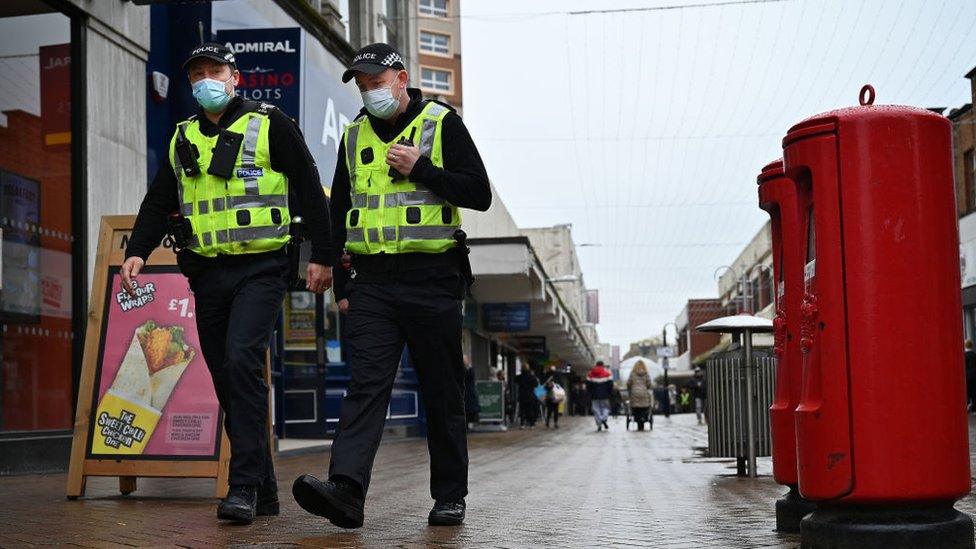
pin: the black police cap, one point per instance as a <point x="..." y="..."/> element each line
<point x="373" y="59"/>
<point x="214" y="51"/>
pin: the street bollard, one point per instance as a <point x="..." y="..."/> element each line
<point x="880" y="322"/>
<point x="778" y="196"/>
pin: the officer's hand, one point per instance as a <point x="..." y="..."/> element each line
<point x="344" y="305"/>
<point x="318" y="278"/>
<point x="130" y="270"/>
<point x="402" y="158"/>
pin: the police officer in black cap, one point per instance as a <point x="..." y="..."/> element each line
<point x="223" y="195"/>
<point x="406" y="166"/>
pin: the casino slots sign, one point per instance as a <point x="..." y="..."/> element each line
<point x="270" y="64"/>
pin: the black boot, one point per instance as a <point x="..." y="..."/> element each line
<point x="447" y="513"/>
<point x="267" y="500"/>
<point x="239" y="506"/>
<point x="338" y="499"/>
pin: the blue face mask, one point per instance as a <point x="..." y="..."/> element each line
<point x="211" y="94"/>
<point x="380" y="102"/>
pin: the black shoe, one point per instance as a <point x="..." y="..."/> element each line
<point x="605" y="426"/>
<point x="447" y="513"/>
<point x="338" y="499"/>
<point x="239" y="505"/>
<point x="267" y="500"/>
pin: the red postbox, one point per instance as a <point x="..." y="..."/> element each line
<point x="881" y="422"/>
<point x="778" y="195"/>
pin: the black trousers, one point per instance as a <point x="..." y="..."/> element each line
<point x="426" y="316"/>
<point x="552" y="412"/>
<point x="236" y="308"/>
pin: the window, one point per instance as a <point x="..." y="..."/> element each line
<point x="437" y="8"/>
<point x="36" y="215"/>
<point x="435" y="80"/>
<point x="969" y="176"/>
<point x="431" y="42"/>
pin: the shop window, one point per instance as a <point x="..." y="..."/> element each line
<point x="36" y="220"/>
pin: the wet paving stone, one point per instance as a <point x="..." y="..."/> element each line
<point x="571" y="487"/>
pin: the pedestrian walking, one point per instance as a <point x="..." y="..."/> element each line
<point x="700" y="392"/>
<point x="406" y="167"/>
<point x="616" y="402"/>
<point x="684" y="400"/>
<point x="641" y="398"/>
<point x="555" y="395"/>
<point x="528" y="403"/>
<point x="970" y="362"/>
<point x="584" y="403"/>
<point x="599" y="384"/>
<point x="472" y="408"/>
<point x="223" y="195"/>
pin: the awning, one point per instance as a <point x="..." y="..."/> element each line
<point x="507" y="271"/>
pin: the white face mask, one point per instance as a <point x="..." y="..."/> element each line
<point x="380" y="102"/>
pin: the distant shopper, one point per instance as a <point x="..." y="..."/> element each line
<point x="582" y="402"/>
<point x="700" y="394"/>
<point x="528" y="404"/>
<point x="599" y="383"/>
<point x="555" y="395"/>
<point x="641" y="399"/>
<point x="616" y="402"/>
<point x="684" y="400"/>
<point x="970" y="356"/>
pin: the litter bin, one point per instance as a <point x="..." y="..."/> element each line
<point x="732" y="422"/>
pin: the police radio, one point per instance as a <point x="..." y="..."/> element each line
<point x="394" y="174"/>
<point x="187" y="153"/>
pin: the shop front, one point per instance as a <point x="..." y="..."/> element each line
<point x="42" y="219"/>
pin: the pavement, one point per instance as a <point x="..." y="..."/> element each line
<point x="571" y="487"/>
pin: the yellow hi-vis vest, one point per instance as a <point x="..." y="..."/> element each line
<point x="392" y="214"/>
<point x="245" y="214"/>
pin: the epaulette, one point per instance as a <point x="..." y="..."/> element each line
<point x="443" y="104"/>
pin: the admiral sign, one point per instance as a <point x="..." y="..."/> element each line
<point x="270" y="64"/>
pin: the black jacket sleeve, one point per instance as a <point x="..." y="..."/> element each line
<point x="160" y="202"/>
<point x="290" y="156"/>
<point x="339" y="205"/>
<point x="463" y="180"/>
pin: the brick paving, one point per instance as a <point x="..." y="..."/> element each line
<point x="571" y="487"/>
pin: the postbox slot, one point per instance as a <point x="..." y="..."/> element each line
<point x="825" y="455"/>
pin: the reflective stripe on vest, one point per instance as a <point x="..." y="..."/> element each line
<point x="393" y="215"/>
<point x="247" y="213"/>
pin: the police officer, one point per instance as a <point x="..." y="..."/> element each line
<point x="223" y="195"/>
<point x="406" y="166"/>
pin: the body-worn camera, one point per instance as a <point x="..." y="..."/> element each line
<point x="225" y="154"/>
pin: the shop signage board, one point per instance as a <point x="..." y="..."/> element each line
<point x="270" y="62"/>
<point x="146" y="404"/>
<point x="507" y="317"/>
<point x="491" y="399"/>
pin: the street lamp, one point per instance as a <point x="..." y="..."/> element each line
<point x="742" y="282"/>
<point x="664" y="364"/>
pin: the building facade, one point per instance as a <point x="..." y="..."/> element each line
<point x="964" y="167"/>
<point x="75" y="145"/>
<point x="439" y="50"/>
<point x="694" y="346"/>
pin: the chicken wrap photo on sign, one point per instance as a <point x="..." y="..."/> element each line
<point x="151" y="368"/>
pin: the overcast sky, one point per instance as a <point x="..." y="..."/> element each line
<point x="645" y="129"/>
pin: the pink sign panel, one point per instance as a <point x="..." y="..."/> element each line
<point x="155" y="395"/>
